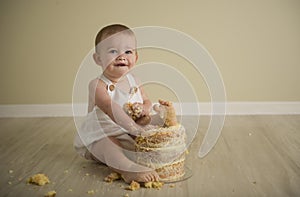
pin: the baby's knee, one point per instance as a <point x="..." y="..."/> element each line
<point x="114" y="140"/>
<point x="107" y="142"/>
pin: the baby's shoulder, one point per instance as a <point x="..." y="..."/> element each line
<point x="96" y="84"/>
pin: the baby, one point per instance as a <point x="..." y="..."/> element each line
<point x="107" y="132"/>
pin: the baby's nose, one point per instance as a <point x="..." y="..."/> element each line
<point x="121" y="58"/>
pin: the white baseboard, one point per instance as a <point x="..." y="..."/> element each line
<point x="36" y="110"/>
<point x="232" y="108"/>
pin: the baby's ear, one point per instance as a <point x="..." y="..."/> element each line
<point x="136" y="56"/>
<point x="97" y="59"/>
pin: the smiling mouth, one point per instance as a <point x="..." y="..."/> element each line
<point x="120" y="65"/>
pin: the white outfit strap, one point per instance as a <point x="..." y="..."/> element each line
<point x="110" y="85"/>
<point x="131" y="80"/>
<point x="121" y="97"/>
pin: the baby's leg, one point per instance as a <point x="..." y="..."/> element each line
<point x="109" y="151"/>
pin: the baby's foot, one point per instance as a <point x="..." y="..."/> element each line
<point x="170" y="116"/>
<point x="142" y="177"/>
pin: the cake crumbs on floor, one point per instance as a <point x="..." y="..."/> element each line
<point x="112" y="177"/>
<point x="133" y="186"/>
<point x="50" y="194"/>
<point x="39" y="179"/>
<point x="155" y="185"/>
<point x="172" y="185"/>
<point x="91" y="192"/>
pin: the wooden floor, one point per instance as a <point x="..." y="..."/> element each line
<point x="255" y="156"/>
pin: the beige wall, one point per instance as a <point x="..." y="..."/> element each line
<point x="255" y="43"/>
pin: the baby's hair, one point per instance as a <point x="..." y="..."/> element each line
<point x="110" y="30"/>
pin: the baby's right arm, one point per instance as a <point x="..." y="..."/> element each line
<point x="114" y="111"/>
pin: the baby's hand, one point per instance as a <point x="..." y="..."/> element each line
<point x="160" y="109"/>
<point x="141" y="109"/>
<point x="137" y="112"/>
<point x="138" y="109"/>
<point x="134" y="110"/>
<point x="142" y="114"/>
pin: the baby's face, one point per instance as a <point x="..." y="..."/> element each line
<point x="118" y="54"/>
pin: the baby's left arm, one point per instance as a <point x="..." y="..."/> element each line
<point x="147" y="105"/>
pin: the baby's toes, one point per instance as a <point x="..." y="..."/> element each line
<point x="156" y="177"/>
<point x="147" y="178"/>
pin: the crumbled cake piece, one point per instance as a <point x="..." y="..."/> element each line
<point x="126" y="195"/>
<point x="172" y="185"/>
<point x="39" y="179"/>
<point x="91" y="192"/>
<point x="156" y="185"/>
<point x="50" y="194"/>
<point x="133" y="186"/>
<point x="112" y="177"/>
<point x="148" y="185"/>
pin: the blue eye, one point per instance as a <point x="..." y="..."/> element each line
<point x="113" y="51"/>
<point x="128" y="52"/>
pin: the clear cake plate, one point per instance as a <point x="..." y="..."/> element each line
<point x="188" y="174"/>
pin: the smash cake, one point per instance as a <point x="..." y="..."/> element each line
<point x="163" y="148"/>
<point x="164" y="151"/>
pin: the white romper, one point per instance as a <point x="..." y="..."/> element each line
<point x="98" y="125"/>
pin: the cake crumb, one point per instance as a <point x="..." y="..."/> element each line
<point x="51" y="194"/>
<point x="156" y="185"/>
<point x="112" y="177"/>
<point x="148" y="185"/>
<point x="39" y="179"/>
<point x="9" y="182"/>
<point x="126" y="195"/>
<point x="172" y="185"/>
<point x="10" y="171"/>
<point x="91" y="192"/>
<point x="133" y="186"/>
<point x="70" y="190"/>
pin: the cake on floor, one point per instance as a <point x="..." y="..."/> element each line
<point x="164" y="148"/>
